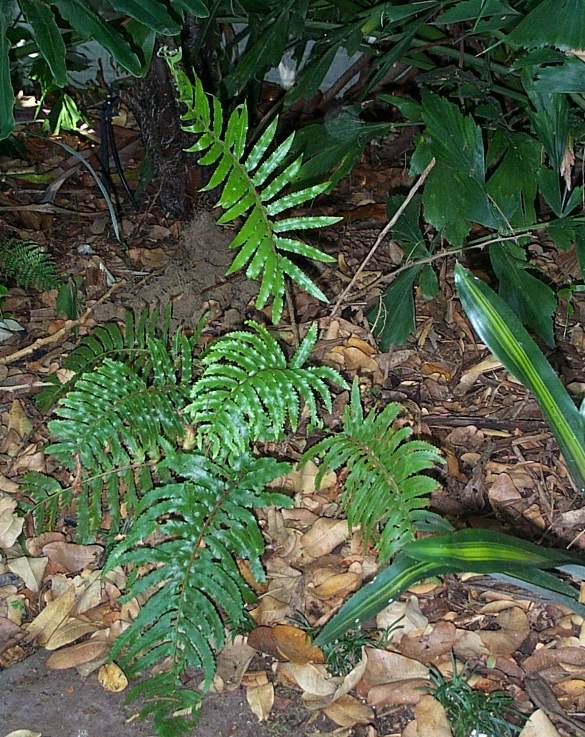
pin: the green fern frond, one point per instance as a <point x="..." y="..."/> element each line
<point x="384" y="490"/>
<point x="252" y="182"/>
<point x="196" y="529"/>
<point x="127" y="344"/>
<point x="248" y="390"/>
<point x="111" y="428"/>
<point x="28" y="264"/>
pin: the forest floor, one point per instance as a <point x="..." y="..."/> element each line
<point x="502" y="471"/>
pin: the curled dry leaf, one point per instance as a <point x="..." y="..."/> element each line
<point x="514" y="629"/>
<point x="431" y="718"/>
<point x="321" y="689"/>
<point x="285" y="642"/>
<point x="31" y="570"/>
<point x="41" y="629"/>
<point x="557" y="660"/>
<point x="70" y="557"/>
<point x="112" y="678"/>
<point x="323" y="537"/>
<point x="428" y="647"/>
<point x="233" y="661"/>
<point x="348" y="711"/>
<point x="468" y="645"/>
<point x="69" y="631"/>
<point x="338" y="584"/>
<point x="261" y="700"/>
<point x="387" y="667"/>
<point x="79" y="654"/>
<point x="270" y="610"/>
<point x="10" y="523"/>
<point x="407" y="692"/>
<point x="539" y="725"/>
<point x="404" y="617"/>
<point x="35" y="545"/>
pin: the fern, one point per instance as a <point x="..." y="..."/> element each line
<point x="28" y="265"/>
<point x="253" y="183"/>
<point x="248" y="390"/>
<point x="109" y="434"/>
<point x="127" y="344"/>
<point x="384" y="492"/>
<point x="198" y="526"/>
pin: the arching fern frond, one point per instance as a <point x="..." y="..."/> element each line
<point x="28" y="264"/>
<point x="182" y="550"/>
<point x="249" y="391"/>
<point x="253" y="180"/>
<point x="127" y="344"/>
<point x="109" y="432"/>
<point x="384" y="490"/>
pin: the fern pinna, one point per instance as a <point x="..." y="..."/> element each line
<point x="196" y="530"/>
<point x="384" y="491"/>
<point x="248" y="390"/>
<point x="253" y="180"/>
<point x="28" y="264"/>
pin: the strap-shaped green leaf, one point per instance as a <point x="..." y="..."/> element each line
<point x="48" y="37"/>
<point x="475" y="551"/>
<point x="252" y="187"/>
<point x="6" y="92"/>
<point x="503" y="333"/>
<point x="85" y="20"/>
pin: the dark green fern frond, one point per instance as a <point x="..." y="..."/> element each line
<point x="28" y="265"/>
<point x="384" y="490"/>
<point x="248" y="390"/>
<point x="127" y="344"/>
<point x="110" y="431"/>
<point x="252" y="183"/>
<point x="182" y="549"/>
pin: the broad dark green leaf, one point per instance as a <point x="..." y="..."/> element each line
<point x="501" y="330"/>
<point x="151" y="13"/>
<point x="531" y="299"/>
<point x="580" y="249"/>
<point x="196" y="7"/>
<point x="392" y="319"/>
<point x="312" y="75"/>
<point x="474" y="10"/>
<point x="85" y="20"/>
<point x="48" y="37"/>
<point x="6" y="93"/>
<point x="559" y="23"/>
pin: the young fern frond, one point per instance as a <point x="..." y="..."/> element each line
<point x="28" y="264"/>
<point x="249" y="391"/>
<point x="384" y="490"/>
<point x="109" y="434"/>
<point x="196" y="530"/>
<point x="252" y="183"/>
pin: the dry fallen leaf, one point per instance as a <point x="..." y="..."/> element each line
<point x="261" y="700"/>
<point x="69" y="631"/>
<point x="51" y="617"/>
<point x="403" y="617"/>
<point x="10" y="523"/>
<point x="233" y="661"/>
<point x="112" y="678"/>
<point x="323" y="537"/>
<point x="514" y="629"/>
<point x="408" y="692"/>
<point x="71" y="557"/>
<point x="31" y="570"/>
<point x="386" y="667"/>
<point x="539" y="725"/>
<point x="285" y="642"/>
<point x="427" y="647"/>
<point x="431" y="718"/>
<point x="347" y="711"/>
<point x="79" y="654"/>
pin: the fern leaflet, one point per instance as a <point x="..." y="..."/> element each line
<point x="198" y="526"/>
<point x="28" y="264"/>
<point x="384" y="490"/>
<point x="253" y="183"/>
<point x="248" y="390"/>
